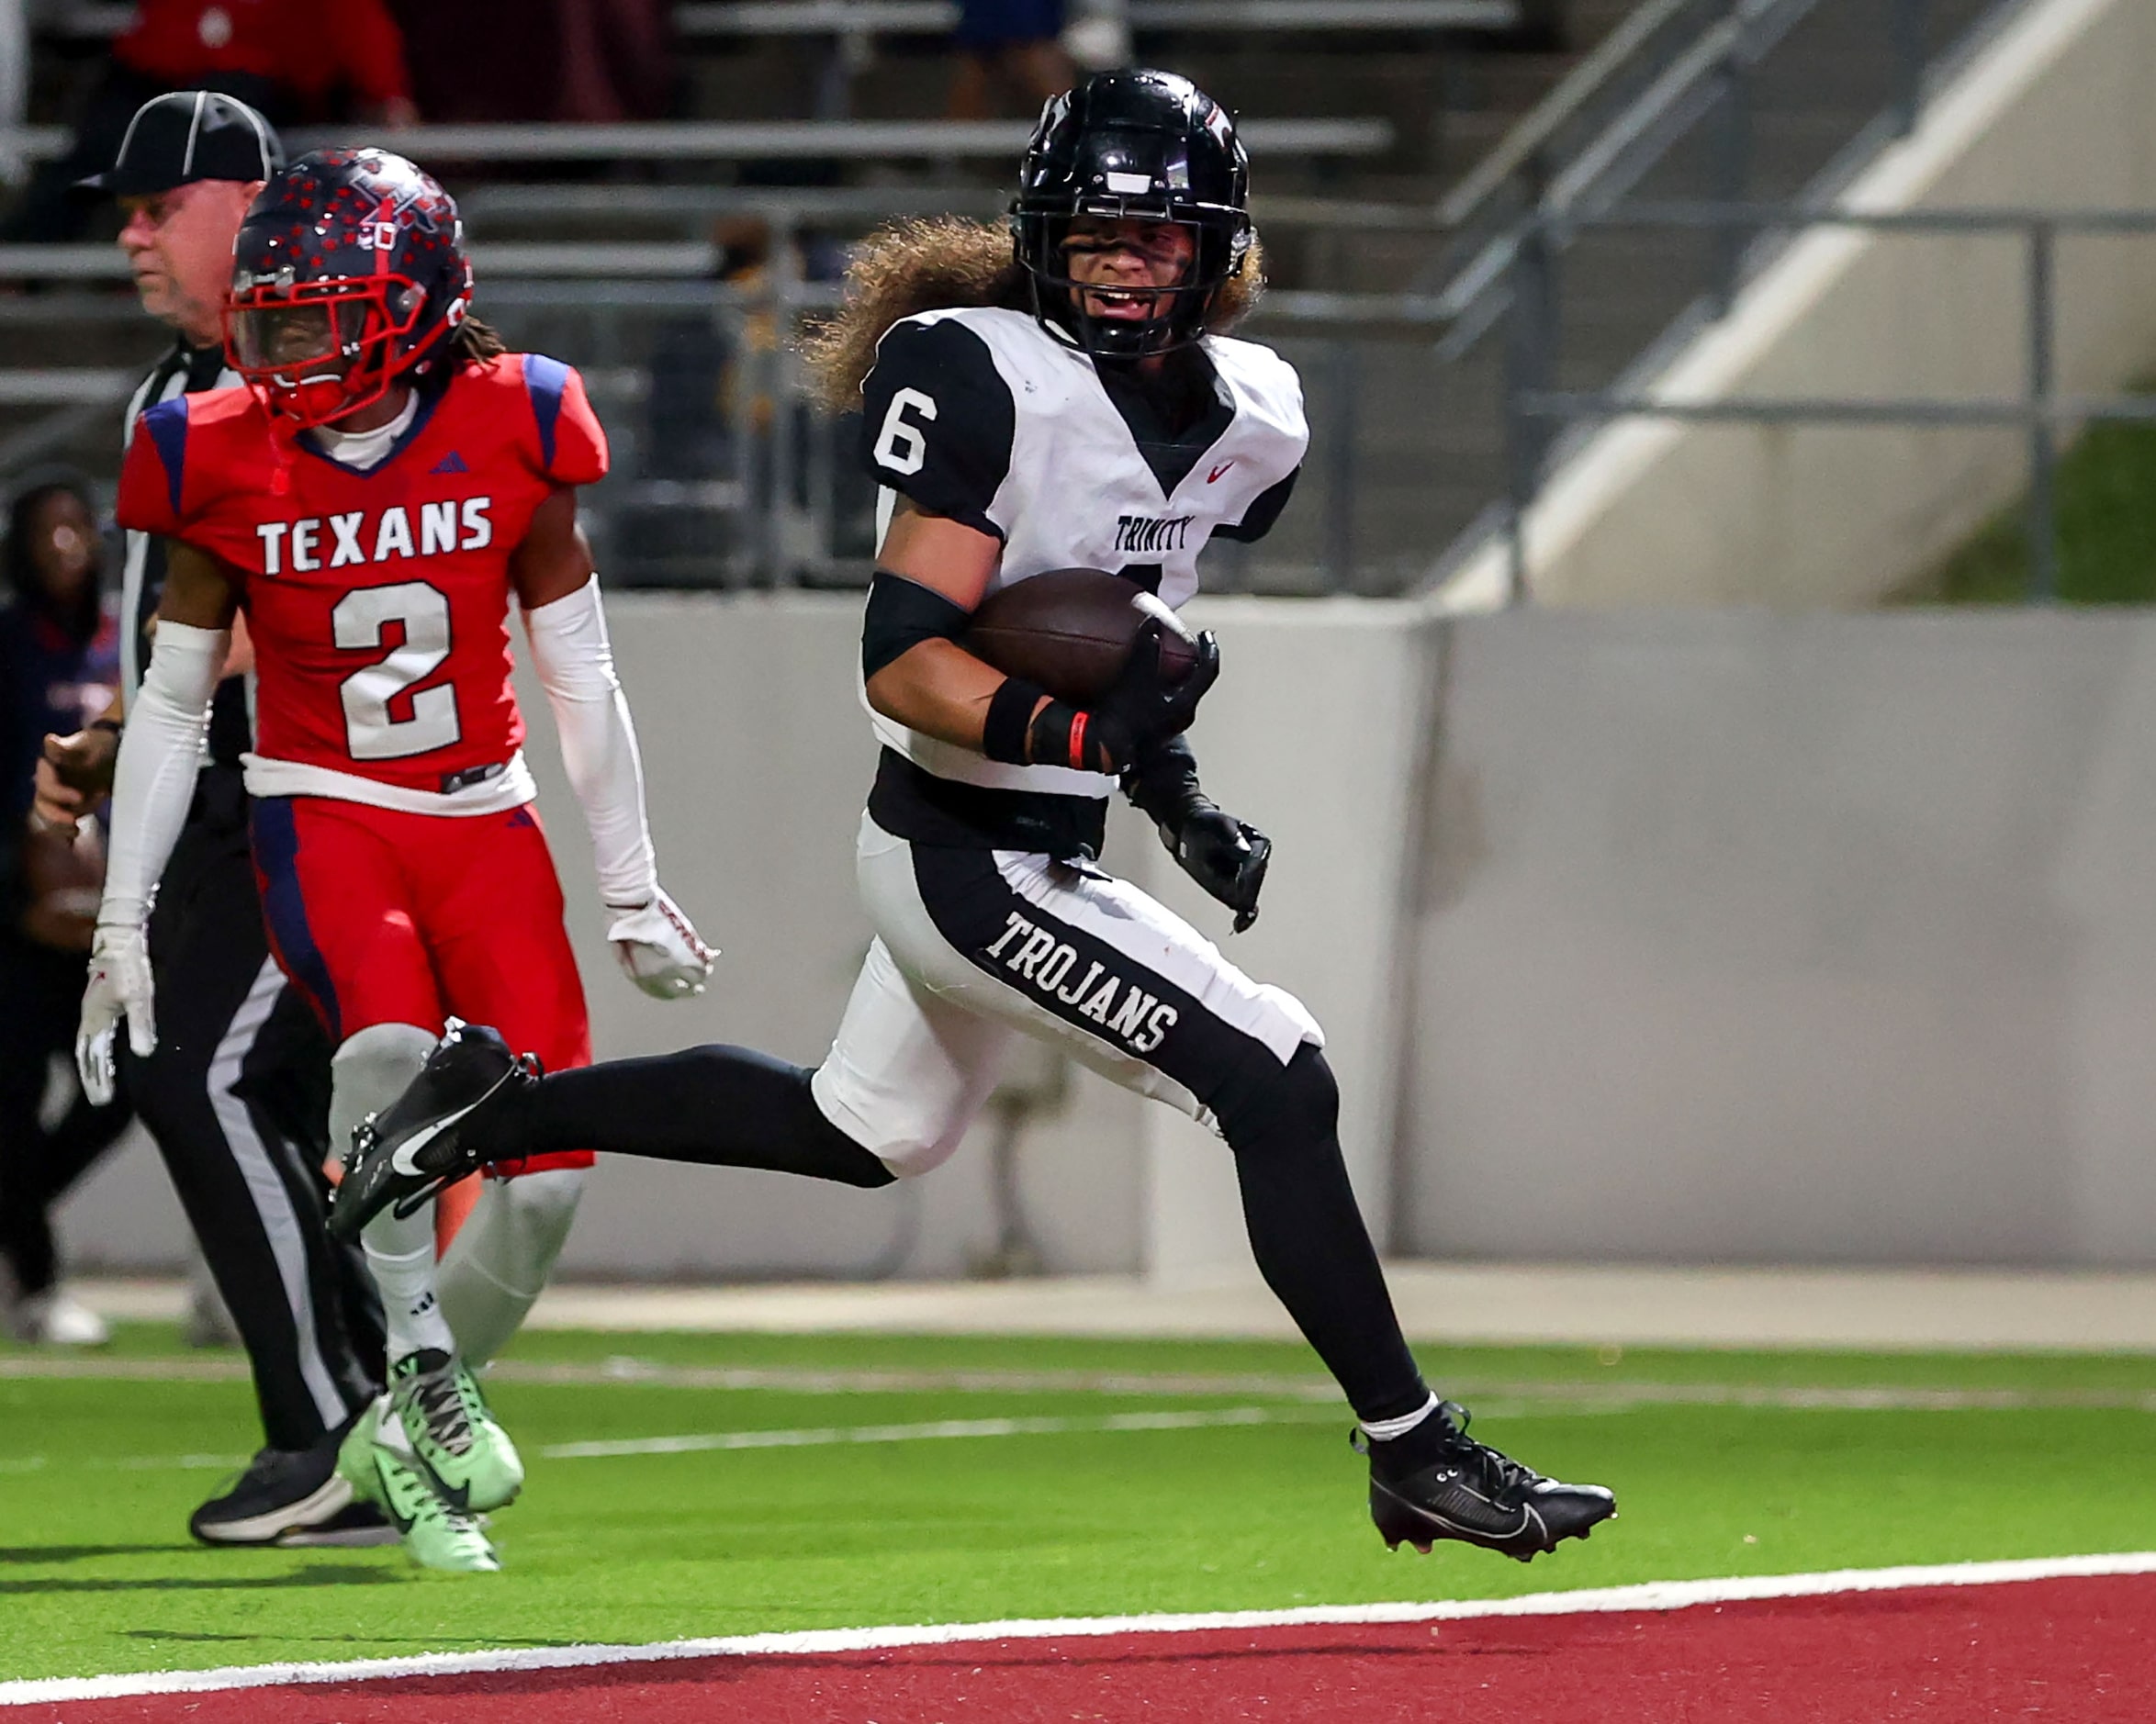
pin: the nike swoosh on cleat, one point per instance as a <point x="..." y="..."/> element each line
<point x="402" y="1159"/>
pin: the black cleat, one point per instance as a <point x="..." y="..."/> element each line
<point x="290" y="1498"/>
<point x="1437" y="1481"/>
<point x="413" y="1148"/>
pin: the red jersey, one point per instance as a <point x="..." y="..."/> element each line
<point x="377" y="597"/>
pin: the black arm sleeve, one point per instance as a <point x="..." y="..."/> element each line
<point x="899" y="615"/>
<point x="1258" y="518"/>
<point x="937" y="420"/>
<point x="1162" y="782"/>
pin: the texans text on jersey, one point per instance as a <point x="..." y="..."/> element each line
<point x="316" y="542"/>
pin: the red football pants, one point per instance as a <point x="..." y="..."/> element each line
<point x="382" y="917"/>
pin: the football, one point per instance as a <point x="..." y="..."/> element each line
<point x="1070" y="630"/>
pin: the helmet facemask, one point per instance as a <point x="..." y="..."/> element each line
<point x="1046" y="245"/>
<point x="316" y="351"/>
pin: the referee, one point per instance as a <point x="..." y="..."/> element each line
<point x="237" y="1092"/>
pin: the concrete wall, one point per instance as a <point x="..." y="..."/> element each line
<point x="1803" y="939"/>
<point x="757" y="757"/>
<point x="2054" y="114"/>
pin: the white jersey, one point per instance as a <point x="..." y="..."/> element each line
<point x="982" y="415"/>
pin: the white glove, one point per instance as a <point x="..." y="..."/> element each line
<point x="659" y="949"/>
<point x="120" y="986"/>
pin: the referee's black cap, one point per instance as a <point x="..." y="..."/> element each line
<point x="188" y="136"/>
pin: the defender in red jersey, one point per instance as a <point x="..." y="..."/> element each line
<point x="388" y="482"/>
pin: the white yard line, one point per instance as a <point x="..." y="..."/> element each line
<point x="1655" y="1596"/>
<point x="1587" y="1394"/>
<point x="940" y="1429"/>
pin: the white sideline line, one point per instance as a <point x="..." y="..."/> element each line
<point x="1542" y="1395"/>
<point x="935" y="1429"/>
<point x="1655" y="1595"/>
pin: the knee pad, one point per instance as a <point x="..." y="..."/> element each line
<point x="1269" y="1102"/>
<point x="369" y="1072"/>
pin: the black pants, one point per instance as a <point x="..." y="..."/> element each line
<point x="40" y="999"/>
<point x="237" y="1096"/>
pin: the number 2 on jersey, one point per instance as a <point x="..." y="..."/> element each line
<point x="902" y="446"/>
<point x="362" y="619"/>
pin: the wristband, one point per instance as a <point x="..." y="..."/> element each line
<point x="1066" y="735"/>
<point x="1010" y="717"/>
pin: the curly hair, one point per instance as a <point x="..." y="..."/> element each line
<point x="939" y="263"/>
<point x="474" y="340"/>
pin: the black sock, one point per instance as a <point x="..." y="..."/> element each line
<point x="1308" y="1233"/>
<point x="720" y="1106"/>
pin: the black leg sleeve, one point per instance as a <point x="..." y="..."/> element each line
<point x="718" y="1106"/>
<point x="1308" y="1233"/>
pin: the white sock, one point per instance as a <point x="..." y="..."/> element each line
<point x="1384" y="1430"/>
<point x="401" y="1256"/>
<point x="502" y="1255"/>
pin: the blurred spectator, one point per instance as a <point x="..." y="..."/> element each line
<point x="544" y="59"/>
<point x="1014" y="42"/>
<point x="295" y="61"/>
<point x="59" y="666"/>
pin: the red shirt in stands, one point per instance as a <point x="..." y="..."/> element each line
<point x="311" y="47"/>
<point x="377" y="597"/>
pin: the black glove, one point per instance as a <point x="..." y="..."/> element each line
<point x="1141" y="708"/>
<point x="1144" y="705"/>
<point x="1222" y="854"/>
<point x="1225" y="855"/>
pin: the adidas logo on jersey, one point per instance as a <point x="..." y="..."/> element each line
<point x="450" y="462"/>
<point x="302" y="547"/>
<point x="1147" y="533"/>
<point x="1121" y="1008"/>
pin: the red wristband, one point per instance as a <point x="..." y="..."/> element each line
<point x="1078" y="739"/>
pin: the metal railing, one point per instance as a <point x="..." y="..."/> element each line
<point x="744" y="140"/>
<point x="1537" y="410"/>
<point x="1666" y="67"/>
<point x="934" y="18"/>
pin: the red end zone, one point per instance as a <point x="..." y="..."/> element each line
<point x="2080" y="1649"/>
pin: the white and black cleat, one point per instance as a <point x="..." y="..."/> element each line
<point x="1437" y="1483"/>
<point x="290" y="1498"/>
<point x="413" y="1148"/>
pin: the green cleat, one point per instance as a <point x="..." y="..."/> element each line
<point x="443" y="1419"/>
<point x="381" y="1471"/>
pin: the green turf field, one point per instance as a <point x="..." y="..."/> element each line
<point x="1725" y="1463"/>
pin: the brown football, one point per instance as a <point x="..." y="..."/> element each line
<point x="1070" y="630"/>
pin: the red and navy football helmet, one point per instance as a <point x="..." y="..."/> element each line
<point x="349" y="276"/>
<point x="1142" y="145"/>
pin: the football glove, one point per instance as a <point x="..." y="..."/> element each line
<point x="1144" y="704"/>
<point x="120" y="986"/>
<point x="1222" y="854"/>
<point x="659" y="948"/>
<point x="1225" y="855"/>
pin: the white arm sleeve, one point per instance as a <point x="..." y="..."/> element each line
<point x="575" y="666"/>
<point x="160" y="753"/>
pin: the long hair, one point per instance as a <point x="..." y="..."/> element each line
<point x="473" y="340"/>
<point x="942" y="263"/>
<point x="82" y="619"/>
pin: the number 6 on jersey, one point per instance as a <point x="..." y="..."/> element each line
<point x="362" y="619"/>
<point x="901" y="446"/>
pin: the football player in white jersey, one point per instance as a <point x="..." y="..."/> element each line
<point x="1067" y="399"/>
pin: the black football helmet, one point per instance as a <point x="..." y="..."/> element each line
<point x="1149" y="146"/>
<point x="349" y="273"/>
